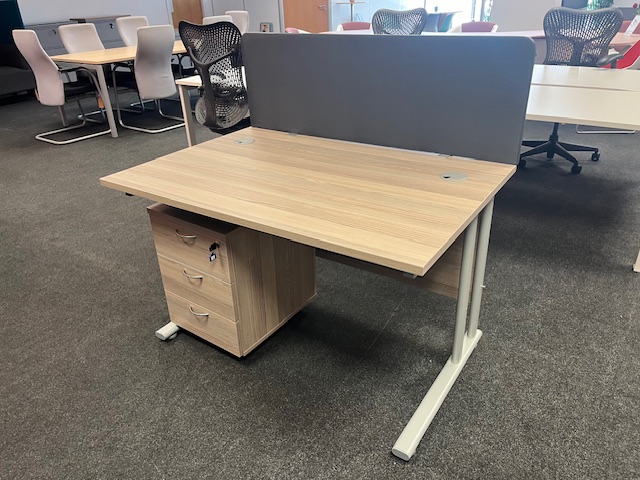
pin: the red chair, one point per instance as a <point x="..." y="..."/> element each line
<point x="479" y="27"/>
<point x="631" y="58"/>
<point x="626" y="24"/>
<point x="354" y="26"/>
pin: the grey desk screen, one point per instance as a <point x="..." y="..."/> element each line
<point x="451" y="94"/>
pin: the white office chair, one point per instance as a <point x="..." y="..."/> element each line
<point x="52" y="91"/>
<point x="240" y="19"/>
<point x="80" y="37"/>
<point x="216" y="19"/>
<point x="152" y="77"/>
<point x="128" y="28"/>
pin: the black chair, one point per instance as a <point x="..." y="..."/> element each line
<point x="393" y="22"/>
<point x="215" y="51"/>
<point x="577" y="38"/>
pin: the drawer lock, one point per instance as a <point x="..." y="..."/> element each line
<point x="212" y="251"/>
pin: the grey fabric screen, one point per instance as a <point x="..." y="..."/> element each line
<point x="452" y="94"/>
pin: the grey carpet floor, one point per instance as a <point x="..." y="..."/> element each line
<point x="88" y="392"/>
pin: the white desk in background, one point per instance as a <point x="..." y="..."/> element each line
<point x="599" y="97"/>
<point x="586" y="77"/>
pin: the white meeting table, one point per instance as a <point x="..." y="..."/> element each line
<point x="95" y="59"/>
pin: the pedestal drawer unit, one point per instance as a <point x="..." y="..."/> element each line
<point x="230" y="285"/>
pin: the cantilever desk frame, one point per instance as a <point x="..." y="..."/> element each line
<point x="328" y="169"/>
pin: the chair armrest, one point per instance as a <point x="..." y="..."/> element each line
<point x="612" y="58"/>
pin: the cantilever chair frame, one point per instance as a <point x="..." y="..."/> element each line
<point x="44" y="137"/>
<point x="157" y="101"/>
<point x="52" y="91"/>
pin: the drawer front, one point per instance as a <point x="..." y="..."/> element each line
<point x="198" y="287"/>
<point x="190" y="245"/>
<point x="203" y="323"/>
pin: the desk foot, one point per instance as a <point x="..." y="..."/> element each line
<point x="168" y="332"/>
<point x="410" y="437"/>
<point x="636" y="266"/>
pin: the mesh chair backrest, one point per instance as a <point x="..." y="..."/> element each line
<point x="80" y="37"/>
<point x="152" y="65"/>
<point x="579" y="37"/>
<point x="216" y="53"/>
<point x="128" y="28"/>
<point x="240" y="19"/>
<point x="393" y="22"/>
<point x="48" y="80"/>
<point x="216" y="19"/>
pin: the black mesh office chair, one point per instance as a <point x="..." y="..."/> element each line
<point x="215" y="51"/>
<point x="393" y="22"/>
<point x="577" y="38"/>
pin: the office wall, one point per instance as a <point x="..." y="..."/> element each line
<point x="45" y="11"/>
<point x="269" y="11"/>
<point x="521" y="14"/>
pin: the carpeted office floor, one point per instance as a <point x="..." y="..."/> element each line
<point x="88" y="392"/>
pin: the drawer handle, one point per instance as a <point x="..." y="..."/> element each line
<point x="198" y="314"/>
<point x="185" y="237"/>
<point x="193" y="277"/>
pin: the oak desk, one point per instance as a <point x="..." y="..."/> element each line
<point x="94" y="60"/>
<point x="389" y="208"/>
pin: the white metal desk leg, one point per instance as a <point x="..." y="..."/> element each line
<point x="410" y="437"/>
<point x="185" y="102"/>
<point x="484" y="231"/>
<point x="636" y="267"/>
<point x="104" y="95"/>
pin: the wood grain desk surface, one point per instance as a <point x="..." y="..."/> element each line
<point x="382" y="205"/>
<point x="586" y="77"/>
<point x="109" y="55"/>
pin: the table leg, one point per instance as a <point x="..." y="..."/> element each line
<point x="104" y="95"/>
<point x="636" y="266"/>
<point x="186" y="114"/>
<point x="463" y="345"/>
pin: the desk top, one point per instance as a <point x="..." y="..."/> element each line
<point x="584" y="106"/>
<point x="109" y="55"/>
<point x="586" y="77"/>
<point x="382" y="205"/>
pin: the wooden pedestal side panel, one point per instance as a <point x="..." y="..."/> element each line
<point x="275" y="278"/>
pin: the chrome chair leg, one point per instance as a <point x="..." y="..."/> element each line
<point x="44" y="137"/>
